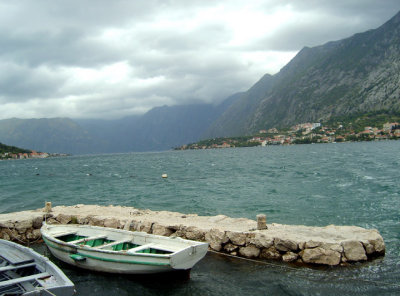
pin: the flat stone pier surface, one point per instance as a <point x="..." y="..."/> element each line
<point x="329" y="245"/>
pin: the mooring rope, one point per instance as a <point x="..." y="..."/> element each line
<point x="48" y="291"/>
<point x="297" y="269"/>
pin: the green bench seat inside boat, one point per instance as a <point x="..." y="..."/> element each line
<point x="70" y="237"/>
<point x="96" y="242"/>
<point x="123" y="246"/>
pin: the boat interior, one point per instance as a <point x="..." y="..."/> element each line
<point x="18" y="273"/>
<point x="101" y="242"/>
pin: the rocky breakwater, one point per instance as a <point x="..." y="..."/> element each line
<point x="330" y="245"/>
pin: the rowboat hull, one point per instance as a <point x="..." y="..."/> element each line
<point x="25" y="272"/>
<point x="112" y="263"/>
<point x="120" y="251"/>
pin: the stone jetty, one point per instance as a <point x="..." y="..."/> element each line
<point x="329" y="245"/>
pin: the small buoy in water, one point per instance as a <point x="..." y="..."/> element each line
<point x="164" y="176"/>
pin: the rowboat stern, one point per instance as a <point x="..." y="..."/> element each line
<point x="187" y="258"/>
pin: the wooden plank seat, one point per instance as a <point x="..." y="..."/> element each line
<point x="151" y="248"/>
<point x="24" y="279"/>
<point x="140" y="248"/>
<point x="63" y="233"/>
<point x="14" y="256"/>
<point x="13" y="267"/>
<point x="86" y="239"/>
<point x="113" y="244"/>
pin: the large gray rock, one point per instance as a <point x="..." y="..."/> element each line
<point x="82" y="220"/>
<point x="379" y="245"/>
<point x="312" y="244"/>
<point x="285" y="245"/>
<point x="33" y="235"/>
<point x="5" y="235"/>
<point x="369" y="248"/>
<point x="216" y="238"/>
<point x="237" y="238"/>
<point x="12" y="235"/>
<point x="259" y="240"/>
<point x="320" y="255"/>
<point x="127" y="225"/>
<point x="354" y="251"/>
<point x="249" y="252"/>
<point x="52" y="221"/>
<point x="373" y="246"/>
<point x="111" y="223"/>
<point x="145" y="227"/>
<point x="178" y="233"/>
<point x="302" y="245"/>
<point x="270" y="253"/>
<point x="327" y="246"/>
<point x="290" y="257"/>
<point x="63" y="219"/>
<point x="7" y="224"/>
<point x="135" y="225"/>
<point x="141" y="226"/>
<point x="161" y="230"/>
<point x="37" y="222"/>
<point x="194" y="233"/>
<point x="23" y="226"/>
<point x="176" y="227"/>
<point x="95" y="221"/>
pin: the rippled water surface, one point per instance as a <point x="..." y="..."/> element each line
<point x="316" y="185"/>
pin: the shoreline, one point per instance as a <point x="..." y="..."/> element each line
<point x="329" y="245"/>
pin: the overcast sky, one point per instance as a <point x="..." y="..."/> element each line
<point x="109" y="59"/>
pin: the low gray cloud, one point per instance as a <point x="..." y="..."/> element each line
<point x="84" y="59"/>
<point x="19" y="83"/>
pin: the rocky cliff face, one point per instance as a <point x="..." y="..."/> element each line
<point x="357" y="74"/>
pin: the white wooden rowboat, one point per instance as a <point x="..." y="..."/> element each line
<point x="25" y="272"/>
<point x="120" y="251"/>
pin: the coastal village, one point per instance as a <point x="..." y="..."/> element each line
<point x="29" y="155"/>
<point x="304" y="133"/>
<point x="26" y="155"/>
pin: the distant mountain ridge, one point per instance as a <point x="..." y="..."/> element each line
<point x="353" y="75"/>
<point x="162" y="128"/>
<point x="359" y="74"/>
<point x="45" y="134"/>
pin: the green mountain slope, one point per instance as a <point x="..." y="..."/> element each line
<point x="12" y="149"/>
<point x="354" y="75"/>
<point x="240" y="114"/>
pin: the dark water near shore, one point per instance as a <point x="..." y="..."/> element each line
<point x="316" y="185"/>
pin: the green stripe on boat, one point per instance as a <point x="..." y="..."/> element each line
<point x="52" y="245"/>
<point x="123" y="261"/>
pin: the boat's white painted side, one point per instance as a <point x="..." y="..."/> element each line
<point x="184" y="253"/>
<point x="97" y="263"/>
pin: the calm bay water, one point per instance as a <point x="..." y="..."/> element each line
<point x="316" y="185"/>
